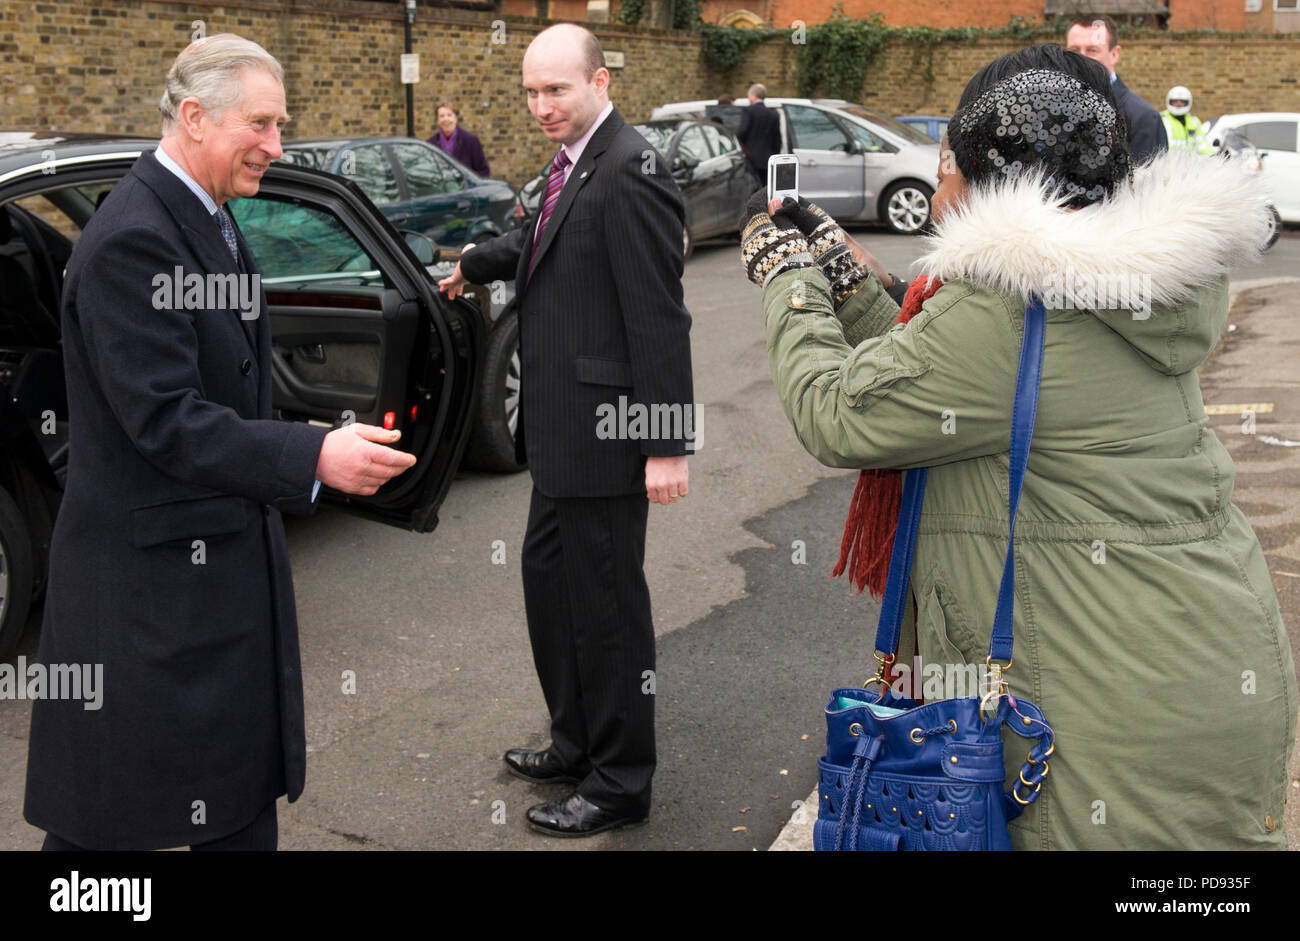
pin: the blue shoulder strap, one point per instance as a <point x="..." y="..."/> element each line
<point x="1023" y="412"/>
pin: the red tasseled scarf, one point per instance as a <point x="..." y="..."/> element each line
<point x="873" y="516"/>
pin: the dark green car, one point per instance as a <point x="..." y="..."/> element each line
<point x="415" y="185"/>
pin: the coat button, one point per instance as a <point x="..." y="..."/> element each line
<point x="246" y="367"/>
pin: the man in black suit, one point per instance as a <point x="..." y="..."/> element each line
<point x="760" y="131"/>
<point x="1097" y="37"/>
<point x="168" y="564"/>
<point x="602" y="329"/>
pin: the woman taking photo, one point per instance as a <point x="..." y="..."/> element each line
<point x="1146" y="626"/>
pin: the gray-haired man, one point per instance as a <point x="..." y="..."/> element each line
<point x="760" y="131"/>
<point x="168" y="564"/>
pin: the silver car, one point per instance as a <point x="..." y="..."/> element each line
<point x="857" y="164"/>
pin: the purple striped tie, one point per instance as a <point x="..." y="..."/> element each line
<point x="554" y="183"/>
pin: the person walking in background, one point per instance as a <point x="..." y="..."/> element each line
<point x="174" y="453"/>
<point x="1097" y="37"/>
<point x="760" y="131"/>
<point x="601" y="321"/>
<point x="458" y="143"/>
<point x="1183" y="129"/>
<point x="1141" y="592"/>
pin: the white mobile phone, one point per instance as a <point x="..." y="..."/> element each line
<point x="782" y="176"/>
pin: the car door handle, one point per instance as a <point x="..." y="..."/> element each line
<point x="464" y="205"/>
<point x="811" y="163"/>
<point x="399" y="217"/>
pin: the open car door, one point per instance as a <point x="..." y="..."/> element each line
<point x="360" y="333"/>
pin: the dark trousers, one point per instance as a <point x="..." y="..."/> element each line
<point x="593" y="642"/>
<point x="262" y="834"/>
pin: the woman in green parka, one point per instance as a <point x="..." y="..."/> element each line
<point x="1146" y="626"/>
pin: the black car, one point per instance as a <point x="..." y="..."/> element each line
<point x="709" y="167"/>
<point x="359" y="332"/>
<point x="416" y="185"/>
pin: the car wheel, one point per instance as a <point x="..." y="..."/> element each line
<point x="16" y="574"/>
<point x="906" y="207"/>
<point x="1276" y="233"/>
<point x="492" y="440"/>
<point x="688" y="243"/>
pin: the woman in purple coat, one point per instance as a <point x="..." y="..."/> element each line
<point x="458" y="143"/>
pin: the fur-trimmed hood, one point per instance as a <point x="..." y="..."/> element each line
<point x="1177" y="226"/>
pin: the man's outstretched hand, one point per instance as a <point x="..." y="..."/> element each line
<point x="351" y="460"/>
<point x="665" y="479"/>
<point x="453" y="284"/>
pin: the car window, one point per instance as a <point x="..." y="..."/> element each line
<point x="814" y="130"/>
<point x="316" y="157"/>
<point x="904" y="130"/>
<point x="293" y="243"/>
<point x="452" y="177"/>
<point x="1271" y="135"/>
<point x="423" y="172"/>
<point x="691" y="144"/>
<point x="52" y="215"/>
<point x="657" y="135"/>
<point x="870" y="142"/>
<point x="368" y="167"/>
<point x="719" y="140"/>
<point x="940" y="128"/>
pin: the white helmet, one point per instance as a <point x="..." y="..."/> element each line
<point x="1179" y="93"/>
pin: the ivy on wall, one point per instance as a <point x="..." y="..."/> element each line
<point x="724" y="47"/>
<point x="684" y="14"/>
<point x="629" y="12"/>
<point x="834" y="56"/>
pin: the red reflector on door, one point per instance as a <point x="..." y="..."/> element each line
<point x="414" y="412"/>
<point x="390" y="419"/>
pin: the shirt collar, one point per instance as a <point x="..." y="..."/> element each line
<point x="166" y="160"/>
<point x="574" y="150"/>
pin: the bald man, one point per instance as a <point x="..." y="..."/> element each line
<point x="602" y="330"/>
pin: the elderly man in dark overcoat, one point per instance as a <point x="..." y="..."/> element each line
<point x="168" y="565"/>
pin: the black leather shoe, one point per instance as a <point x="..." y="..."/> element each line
<point x="540" y="767"/>
<point x="577" y="816"/>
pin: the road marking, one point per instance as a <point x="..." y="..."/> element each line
<point x="1280" y="442"/>
<point x="1259" y="408"/>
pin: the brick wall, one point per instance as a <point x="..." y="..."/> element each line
<point x="73" y="65"/>
<point x="1183" y="14"/>
<point x="781" y="13"/>
<point x="1246" y="74"/>
<point x="1207" y="14"/>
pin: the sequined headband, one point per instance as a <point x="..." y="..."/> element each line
<point x="1045" y="118"/>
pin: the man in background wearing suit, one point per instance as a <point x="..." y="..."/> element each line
<point x="760" y="131"/>
<point x="601" y="325"/>
<point x="168" y="565"/>
<point x="1097" y="37"/>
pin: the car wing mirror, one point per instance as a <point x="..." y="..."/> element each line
<point x="423" y="247"/>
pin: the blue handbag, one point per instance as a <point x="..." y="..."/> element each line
<point x="902" y="776"/>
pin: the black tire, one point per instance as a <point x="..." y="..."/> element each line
<point x="1277" y="229"/>
<point x="16" y="574"/>
<point x="688" y="242"/>
<point x="492" y="440"/>
<point x="905" y="207"/>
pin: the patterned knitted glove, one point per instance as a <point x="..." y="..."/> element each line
<point x="765" y="249"/>
<point x="828" y="246"/>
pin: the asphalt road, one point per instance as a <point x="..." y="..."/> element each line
<point x="750" y="641"/>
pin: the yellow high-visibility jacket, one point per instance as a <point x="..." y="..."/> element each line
<point x="1186" y="136"/>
